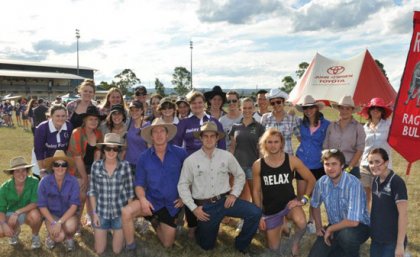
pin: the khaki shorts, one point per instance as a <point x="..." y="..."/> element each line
<point x="366" y="177"/>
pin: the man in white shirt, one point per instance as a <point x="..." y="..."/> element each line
<point x="204" y="188"/>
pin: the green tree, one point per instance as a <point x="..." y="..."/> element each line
<point x="181" y="79"/>
<point x="382" y="68"/>
<point x="302" y="68"/>
<point x="126" y="79"/>
<point x="106" y="86"/>
<point x="159" y="87"/>
<point x="289" y="83"/>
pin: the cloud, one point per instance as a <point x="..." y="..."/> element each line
<point x="235" y="11"/>
<point x="335" y="15"/>
<point x="22" y="54"/>
<point x="63" y="48"/>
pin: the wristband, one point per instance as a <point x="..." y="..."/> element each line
<point x="348" y="169"/>
<point x="304" y="200"/>
<point x="306" y="197"/>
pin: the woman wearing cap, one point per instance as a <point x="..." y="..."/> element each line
<point x="183" y="108"/>
<point x="82" y="148"/>
<point x="347" y="135"/>
<point x="154" y="104"/>
<point x="51" y="135"/>
<point x="78" y="107"/>
<point x="215" y="99"/>
<point x="376" y="129"/>
<point x="313" y="130"/>
<point x="135" y="143"/>
<point x="59" y="201"/>
<point x="167" y="108"/>
<point x="113" y="97"/>
<point x="18" y="197"/>
<point x="287" y="124"/>
<point x="115" y="123"/>
<point x="111" y="188"/>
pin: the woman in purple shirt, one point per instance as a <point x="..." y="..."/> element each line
<point x="59" y="201"/>
<point x="51" y="135"/>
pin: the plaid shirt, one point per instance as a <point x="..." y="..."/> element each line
<point x="287" y="126"/>
<point x="111" y="192"/>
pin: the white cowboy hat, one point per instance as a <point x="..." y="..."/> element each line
<point x="277" y="93"/>
<point x="308" y="100"/>
<point x="146" y="133"/>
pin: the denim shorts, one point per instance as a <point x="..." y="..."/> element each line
<point x="248" y="172"/>
<point x="106" y="224"/>
<point x="21" y="218"/>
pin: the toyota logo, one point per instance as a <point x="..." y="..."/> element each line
<point x="334" y="70"/>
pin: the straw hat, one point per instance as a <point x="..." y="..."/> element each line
<point x="308" y="100"/>
<point x="376" y="102"/>
<point x="277" y="93"/>
<point x="146" y="133"/>
<point x="58" y="155"/>
<point x="346" y="101"/>
<point x="17" y="163"/>
<point x="111" y="139"/>
<point x="209" y="126"/>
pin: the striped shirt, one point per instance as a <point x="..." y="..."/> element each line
<point x="111" y="192"/>
<point x="288" y="126"/>
<point x="346" y="200"/>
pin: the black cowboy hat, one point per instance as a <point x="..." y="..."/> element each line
<point x="92" y="111"/>
<point x="216" y="90"/>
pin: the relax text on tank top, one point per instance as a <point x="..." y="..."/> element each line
<point x="276" y="186"/>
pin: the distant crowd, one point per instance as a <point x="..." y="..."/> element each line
<point x="159" y="161"/>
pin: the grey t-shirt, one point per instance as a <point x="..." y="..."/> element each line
<point x="227" y="124"/>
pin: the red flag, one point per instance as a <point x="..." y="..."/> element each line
<point x="404" y="135"/>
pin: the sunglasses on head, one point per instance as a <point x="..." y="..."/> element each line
<point x="329" y="151"/>
<point x="308" y="107"/>
<point x="60" y="164"/>
<point x="232" y="101"/>
<point x="109" y="148"/>
<point x="140" y="94"/>
<point x="278" y="102"/>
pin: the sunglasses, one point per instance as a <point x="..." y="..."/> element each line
<point x="140" y="94"/>
<point x="60" y="164"/>
<point x="232" y="101"/>
<point x="115" y="149"/>
<point x="278" y="102"/>
<point x="308" y="107"/>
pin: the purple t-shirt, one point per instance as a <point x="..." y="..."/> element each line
<point x="48" y="139"/>
<point x="135" y="143"/>
<point x="186" y="129"/>
<point x="55" y="200"/>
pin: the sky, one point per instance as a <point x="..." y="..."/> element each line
<point x="236" y="43"/>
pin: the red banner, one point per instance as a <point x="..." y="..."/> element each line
<point x="404" y="135"/>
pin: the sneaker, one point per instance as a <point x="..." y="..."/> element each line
<point x="36" y="242"/>
<point x="240" y="225"/>
<point x="49" y="243"/>
<point x="310" y="228"/>
<point x="15" y="238"/>
<point x="69" y="244"/>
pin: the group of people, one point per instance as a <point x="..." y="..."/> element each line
<point x="163" y="159"/>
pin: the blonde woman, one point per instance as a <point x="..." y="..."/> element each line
<point x="77" y="107"/>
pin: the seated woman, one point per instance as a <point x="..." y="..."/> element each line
<point x="59" y="201"/>
<point x="111" y="188"/>
<point x="18" y="197"/>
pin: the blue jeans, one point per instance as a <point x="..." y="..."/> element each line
<point x="382" y="250"/>
<point x="345" y="242"/>
<point x="207" y="232"/>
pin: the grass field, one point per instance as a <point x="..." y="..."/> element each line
<point x="16" y="141"/>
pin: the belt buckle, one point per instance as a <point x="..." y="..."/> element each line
<point x="215" y="198"/>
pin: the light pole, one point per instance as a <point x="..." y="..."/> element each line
<point x="191" y="47"/>
<point x="77" y="45"/>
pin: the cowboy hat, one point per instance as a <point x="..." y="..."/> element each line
<point x="112" y="139"/>
<point x="307" y="101"/>
<point x="146" y="133"/>
<point x="209" y="126"/>
<point x="58" y="155"/>
<point x="17" y="163"/>
<point x="91" y="111"/>
<point x="277" y="93"/>
<point x="346" y="101"/>
<point x="216" y="90"/>
<point x="181" y="99"/>
<point x="376" y="102"/>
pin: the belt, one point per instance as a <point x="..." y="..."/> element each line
<point x="213" y="199"/>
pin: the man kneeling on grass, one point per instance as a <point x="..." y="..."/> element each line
<point x="204" y="188"/>
<point x="157" y="174"/>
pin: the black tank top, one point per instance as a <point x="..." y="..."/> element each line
<point x="276" y="186"/>
<point x="89" y="157"/>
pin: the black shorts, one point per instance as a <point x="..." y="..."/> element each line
<point x="318" y="173"/>
<point x="163" y="216"/>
